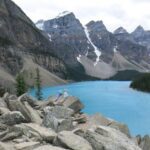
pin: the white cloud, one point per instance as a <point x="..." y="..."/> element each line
<point x="114" y="13"/>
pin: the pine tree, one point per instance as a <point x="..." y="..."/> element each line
<point x="20" y="85"/>
<point x="38" y="87"/>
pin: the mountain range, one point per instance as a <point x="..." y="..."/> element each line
<point x="64" y="49"/>
<point x="101" y="53"/>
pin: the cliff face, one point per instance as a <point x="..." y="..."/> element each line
<point x="19" y="38"/>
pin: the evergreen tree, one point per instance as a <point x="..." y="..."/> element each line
<point x="38" y="85"/>
<point x="20" y="85"/>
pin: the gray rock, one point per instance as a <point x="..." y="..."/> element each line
<point x="27" y="145"/>
<point x="59" y="112"/>
<point x="46" y="134"/>
<point x="106" y="138"/>
<point x="6" y="146"/>
<point x="58" y="118"/>
<point x="72" y="141"/>
<point x="26" y="98"/>
<point x="4" y="110"/>
<point x="119" y="126"/>
<point x="49" y="147"/>
<point x="3" y="103"/>
<point x="57" y="124"/>
<point x="12" y="118"/>
<point x="11" y="135"/>
<point x="145" y="143"/>
<point x="30" y="114"/>
<point x="12" y="97"/>
<point x="73" y="103"/>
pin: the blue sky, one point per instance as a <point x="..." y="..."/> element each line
<point x="114" y="13"/>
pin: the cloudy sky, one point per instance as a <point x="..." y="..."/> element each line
<point x="114" y="13"/>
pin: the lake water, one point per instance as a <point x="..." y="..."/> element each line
<point x="113" y="99"/>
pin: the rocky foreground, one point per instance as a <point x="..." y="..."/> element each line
<point x="28" y="124"/>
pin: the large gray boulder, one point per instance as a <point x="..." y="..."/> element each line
<point x="145" y="143"/>
<point x="3" y="103"/>
<point x="106" y="138"/>
<point x="46" y="134"/>
<point x="26" y="145"/>
<point x="30" y="114"/>
<point x="26" y="98"/>
<point x="73" y="103"/>
<point x="12" y="118"/>
<point x="99" y="119"/>
<point x="4" y="110"/>
<point x="121" y="127"/>
<point x="58" y="125"/>
<point x="72" y="141"/>
<point x="49" y="147"/>
<point x="6" y="146"/>
<point x="59" y="112"/>
<point x="58" y="118"/>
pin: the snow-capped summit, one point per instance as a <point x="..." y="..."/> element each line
<point x="40" y="24"/>
<point x="64" y="13"/>
<point x="120" y="30"/>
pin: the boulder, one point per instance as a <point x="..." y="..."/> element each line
<point x="3" y="103"/>
<point x="58" y="118"/>
<point x="46" y="134"/>
<point x="59" y="112"/>
<point x="49" y="147"/>
<point x="73" y="103"/>
<point x="6" y="96"/>
<point x="4" y="110"/>
<point x="34" y="115"/>
<point x="80" y="119"/>
<point x="6" y="146"/>
<point x="145" y="143"/>
<point x="25" y="97"/>
<point x="27" y="145"/>
<point x="30" y="114"/>
<point x="10" y="135"/>
<point x="12" y="118"/>
<point x="121" y="127"/>
<point x="106" y="138"/>
<point x="58" y="125"/>
<point x="98" y="119"/>
<point x="12" y="97"/>
<point x="72" y="141"/>
<point x="18" y="106"/>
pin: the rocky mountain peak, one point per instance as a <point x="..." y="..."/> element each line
<point x="139" y="31"/>
<point x="120" y="30"/>
<point x="65" y="13"/>
<point x="96" y="25"/>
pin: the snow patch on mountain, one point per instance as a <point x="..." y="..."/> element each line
<point x="55" y="26"/>
<point x="115" y="49"/>
<point x="63" y="14"/>
<point x="50" y="37"/>
<point x="79" y="58"/>
<point x="96" y="50"/>
<point x="40" y="25"/>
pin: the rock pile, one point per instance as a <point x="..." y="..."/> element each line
<point x="28" y="124"/>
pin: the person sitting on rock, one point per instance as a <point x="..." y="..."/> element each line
<point x="60" y="94"/>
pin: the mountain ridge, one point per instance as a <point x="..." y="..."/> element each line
<point x="95" y="44"/>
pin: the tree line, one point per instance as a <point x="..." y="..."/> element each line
<point x="141" y="83"/>
<point x="22" y="87"/>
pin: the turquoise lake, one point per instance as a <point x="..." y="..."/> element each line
<point x="113" y="99"/>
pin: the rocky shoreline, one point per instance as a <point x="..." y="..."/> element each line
<point x="28" y="124"/>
